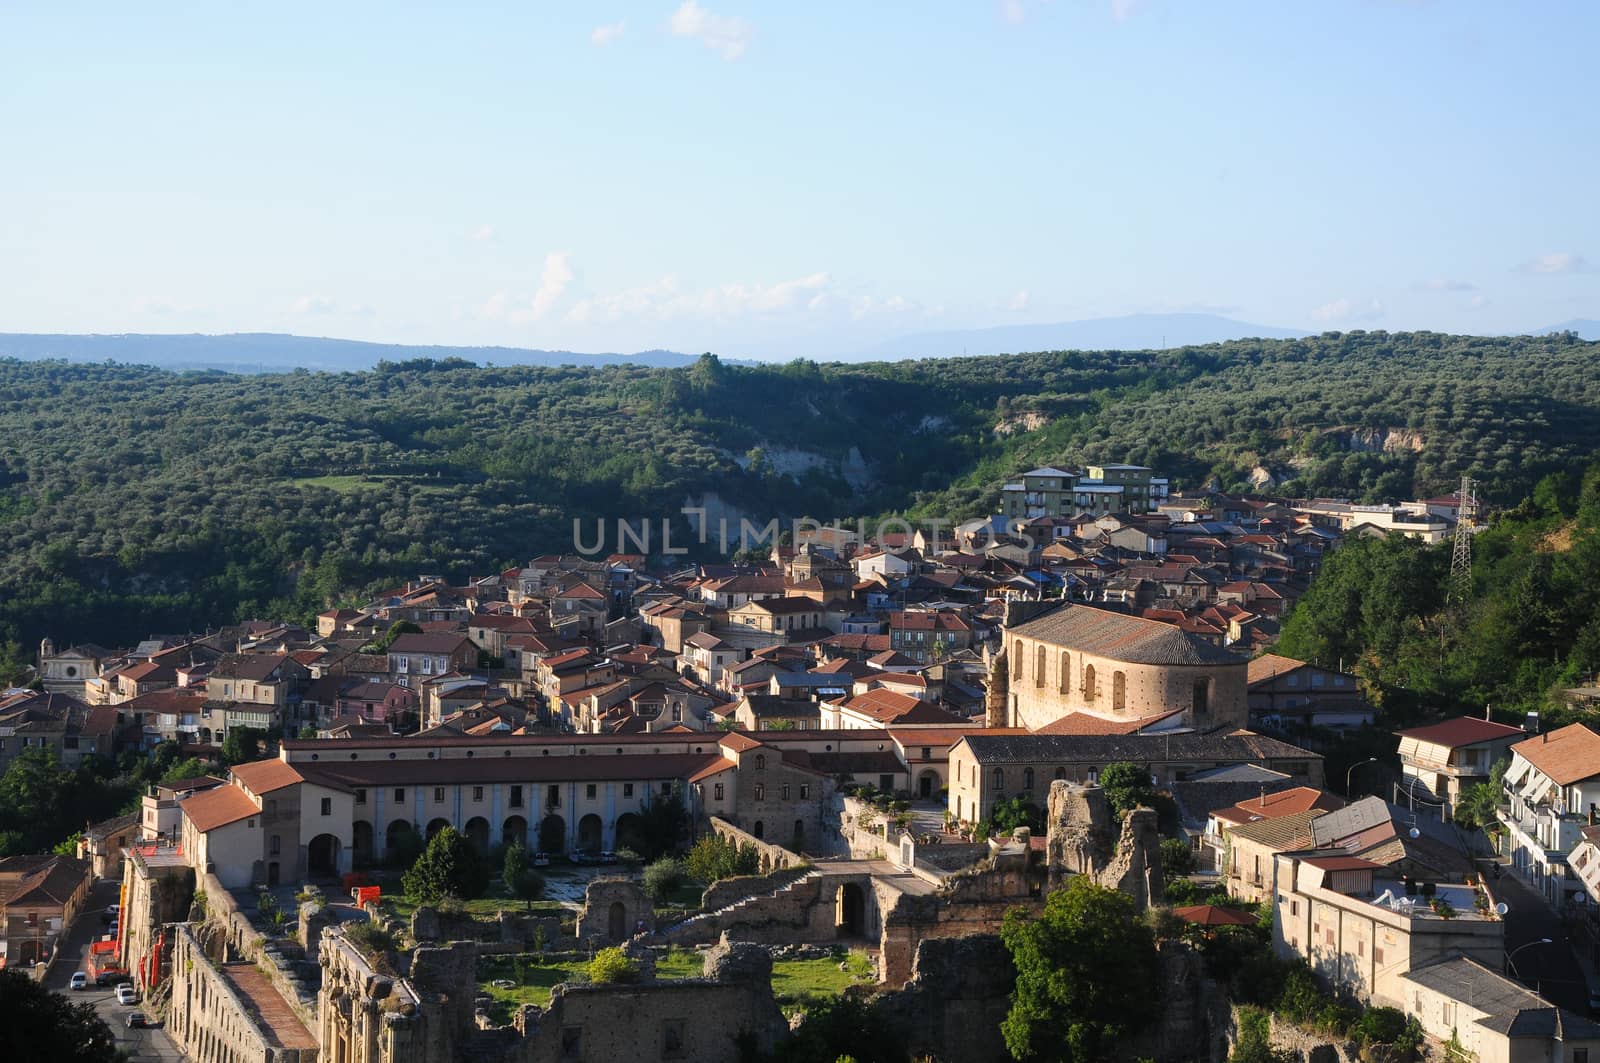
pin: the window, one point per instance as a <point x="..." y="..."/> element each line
<point x="627" y="789"/>
<point x="1119" y="691"/>
<point x="666" y="789"/>
<point x="999" y="778"/>
<point x="516" y="797"/>
<point x="1016" y="659"/>
<point x="477" y="793"/>
<point x="1027" y="778"/>
<point x="361" y="797"/>
<point x="1377" y="958"/>
<point x="1294" y="907"/>
<point x="761" y="761"/>
<point x="761" y="792"/>
<point x="1448" y="1013"/>
<point x="400" y="795"/>
<point x="927" y="752"/>
<point x="327" y="806"/>
<point x="552" y="795"/>
<point x="717" y="791"/>
<point x="1361" y="948"/>
<point x="1202" y="697"/>
<point x="786" y="791"/>
<point x="1088" y="682"/>
<point x="1579" y="1055"/>
<point x="274" y="844"/>
<point x="1038" y="667"/>
<point x="1065" y="683"/>
<point x="805" y="791"/>
<point x="438" y="795"/>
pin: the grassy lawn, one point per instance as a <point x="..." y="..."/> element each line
<point x="679" y="963"/>
<point x="349" y="485"/>
<point x="486" y="907"/>
<point x="532" y="983"/>
<point x="795" y="983"/>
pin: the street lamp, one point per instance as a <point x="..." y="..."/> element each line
<point x="1353" y="767"/>
<point x="1511" y="962"/>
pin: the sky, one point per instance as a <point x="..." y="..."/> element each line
<point x="780" y="179"/>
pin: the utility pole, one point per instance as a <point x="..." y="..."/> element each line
<point x="1461" y="558"/>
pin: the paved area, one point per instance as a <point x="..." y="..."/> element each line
<point x="142" y="1046"/>
<point x="1551" y="970"/>
<point x="272" y="1013"/>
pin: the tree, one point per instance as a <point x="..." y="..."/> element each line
<point x="664" y="876"/>
<point x="448" y="867"/>
<point x="845" y="1027"/>
<point x="1127" y="787"/>
<point x="241" y="745"/>
<point x="714" y="857"/>
<point x="188" y="768"/>
<point x="1086" y="975"/>
<point x="612" y="965"/>
<point x="519" y="877"/>
<point x="1177" y="859"/>
<point x="663" y="822"/>
<point x="1478" y="804"/>
<point x="38" y="1024"/>
<point x="1014" y="812"/>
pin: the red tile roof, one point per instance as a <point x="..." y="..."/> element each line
<point x="1462" y="731"/>
<point x="215" y="808"/>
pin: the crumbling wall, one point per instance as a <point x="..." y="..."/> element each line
<point x="209" y="1020"/>
<point x="958" y="994"/>
<point x="614" y="909"/>
<point x="772" y="856"/>
<point x="428" y="924"/>
<point x="1135" y="867"/>
<point x="1082" y="838"/>
<point x="726" y="891"/>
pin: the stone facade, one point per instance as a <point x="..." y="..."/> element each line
<point x="214" y="1019"/>
<point x="614" y="909"/>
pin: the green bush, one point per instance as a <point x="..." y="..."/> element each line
<point x="664" y="876"/>
<point x="612" y="966"/>
<point x="715" y="857"/>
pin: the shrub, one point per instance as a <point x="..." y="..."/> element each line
<point x="611" y="966"/>
<point x="715" y="857"/>
<point x="664" y="876"/>
<point x="1382" y="1026"/>
<point x="449" y="866"/>
<point x="1177" y="859"/>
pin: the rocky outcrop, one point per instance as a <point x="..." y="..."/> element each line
<point x="1135" y="868"/>
<point x="1082" y="839"/>
<point x="951" y="1008"/>
<point x="738" y="961"/>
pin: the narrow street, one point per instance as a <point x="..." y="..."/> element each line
<point x="143" y="1046"/>
<point x="1551" y="970"/>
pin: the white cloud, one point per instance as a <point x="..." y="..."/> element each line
<point x="1349" y="310"/>
<point x="483" y="232"/>
<point x="1019" y="301"/>
<point x="633" y="302"/>
<point x="313" y="304"/>
<point x="604" y="35"/>
<point x="727" y="34"/>
<point x="1559" y="262"/>
<point x="1013" y="12"/>
<point x="553" y="281"/>
<point x="1442" y="284"/>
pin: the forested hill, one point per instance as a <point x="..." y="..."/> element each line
<point x="136" y="500"/>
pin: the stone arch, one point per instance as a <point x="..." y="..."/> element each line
<point x="759" y="829"/>
<point x="1027" y="778"/>
<point x="477" y="832"/>
<point x="799" y="833"/>
<point x="361" y="842"/>
<point x="396" y="836"/>
<point x="628" y="832"/>
<point x="1088" y="682"/>
<point x="617" y="922"/>
<point x="435" y="826"/>
<point x="553" y="834"/>
<point x="1201" y="698"/>
<point x="514" y="829"/>
<point x="927" y="783"/>
<point x="1119" y="690"/>
<point x="850" y="912"/>
<point x="999" y="781"/>
<point x="322" y="856"/>
<point x="590" y="830"/>
<point x="1061" y="773"/>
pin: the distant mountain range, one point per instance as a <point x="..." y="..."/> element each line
<point x="270" y="352"/>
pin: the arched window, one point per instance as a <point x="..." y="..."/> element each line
<point x="1027" y="778"/>
<point x="1202" y="697"/>
<point x="761" y="792"/>
<point x="1038" y="667"/>
<point x="761" y="761"/>
<point x="1088" y="682"/>
<point x="1066" y="672"/>
<point x="1016" y="658"/>
<point x="1061" y="773"/>
<point x="999" y="779"/>
<point x="1119" y="691"/>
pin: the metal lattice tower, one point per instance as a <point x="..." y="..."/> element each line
<point x="1461" y="559"/>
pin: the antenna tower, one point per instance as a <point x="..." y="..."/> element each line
<point x="1461" y="559"/>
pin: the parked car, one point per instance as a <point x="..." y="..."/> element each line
<point x="126" y="995"/>
<point x="608" y="857"/>
<point x="541" y="859"/>
<point x="137" y="1020"/>
<point x="108" y="978"/>
<point x="80" y="980"/>
<point x="111" y="912"/>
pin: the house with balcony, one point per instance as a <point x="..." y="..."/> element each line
<point x="1286" y="693"/>
<point x="1362" y="930"/>
<point x="1444" y="760"/>
<point x="1552" y="790"/>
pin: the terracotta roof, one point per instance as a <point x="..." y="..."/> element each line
<point x="1083" y="723"/>
<point x="714" y="768"/>
<point x="945" y="737"/>
<point x="738" y="742"/>
<point x="49" y="885"/>
<point x="1567" y="755"/>
<point x="1122" y="638"/>
<point x="265" y="776"/>
<point x="1269" y="665"/>
<point x="1282" y="803"/>
<point x="582" y="590"/>
<point x="438" y="642"/>
<point x="210" y="809"/>
<point x="1462" y="731"/>
<point x="1342" y="863"/>
<point x="891" y="707"/>
<point x="1283" y="833"/>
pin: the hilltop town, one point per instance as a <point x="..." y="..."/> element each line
<point x="680" y="810"/>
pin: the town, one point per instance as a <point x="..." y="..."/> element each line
<point x="635" y="807"/>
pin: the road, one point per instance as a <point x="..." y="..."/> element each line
<point x="1551" y="970"/>
<point x="143" y="1046"/>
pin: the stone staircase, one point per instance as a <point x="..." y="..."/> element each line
<point x="708" y="926"/>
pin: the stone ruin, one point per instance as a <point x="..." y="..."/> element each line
<point x="1084" y="839"/>
<point x="614" y="909"/>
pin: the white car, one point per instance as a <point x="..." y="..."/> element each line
<point x="126" y="995"/>
<point x="79" y="980"/>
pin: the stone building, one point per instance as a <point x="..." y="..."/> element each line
<point x="229" y="1012"/>
<point x="1077" y="658"/>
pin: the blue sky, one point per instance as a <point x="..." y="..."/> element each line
<point x="793" y="179"/>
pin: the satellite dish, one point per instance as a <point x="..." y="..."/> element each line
<point x="1415" y="833"/>
<point x="1580" y="898"/>
<point x="1502" y="908"/>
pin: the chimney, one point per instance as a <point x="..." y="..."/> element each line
<point x="1263" y="797"/>
<point x="1486" y="714"/>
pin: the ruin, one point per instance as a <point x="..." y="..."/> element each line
<point x="1083" y="838"/>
